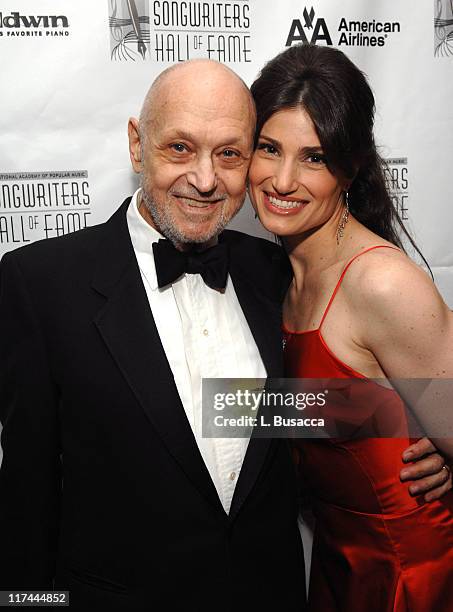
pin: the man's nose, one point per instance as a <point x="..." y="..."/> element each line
<point x="202" y="175"/>
<point x="285" y="179"/>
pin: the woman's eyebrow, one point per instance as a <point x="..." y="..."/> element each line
<point x="274" y="142"/>
<point x="306" y="150"/>
<point x="311" y="149"/>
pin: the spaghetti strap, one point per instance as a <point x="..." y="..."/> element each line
<point x="337" y="286"/>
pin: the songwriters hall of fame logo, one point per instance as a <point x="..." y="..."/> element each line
<point x="396" y="175"/>
<point x="37" y="205"/>
<point x="171" y="31"/>
<point x="129" y="29"/>
<point x="443" y="28"/>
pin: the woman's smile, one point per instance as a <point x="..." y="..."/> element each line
<point x="282" y="205"/>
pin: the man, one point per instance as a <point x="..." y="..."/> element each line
<point x="107" y="487"/>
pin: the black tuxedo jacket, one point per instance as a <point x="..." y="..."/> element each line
<point x="103" y="491"/>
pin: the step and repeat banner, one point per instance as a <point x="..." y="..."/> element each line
<point x="73" y="72"/>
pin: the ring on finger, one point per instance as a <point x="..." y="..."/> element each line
<point x="447" y="469"/>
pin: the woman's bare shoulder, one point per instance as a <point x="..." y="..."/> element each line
<point x="384" y="275"/>
<point x="399" y="313"/>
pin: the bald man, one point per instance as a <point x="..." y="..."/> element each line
<point x="108" y="489"/>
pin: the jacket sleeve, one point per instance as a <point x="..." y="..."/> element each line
<point x="30" y="474"/>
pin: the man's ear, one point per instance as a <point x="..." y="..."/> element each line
<point x="135" y="148"/>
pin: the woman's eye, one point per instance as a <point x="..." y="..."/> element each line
<point x="316" y="158"/>
<point x="179" y="147"/>
<point x="229" y="153"/>
<point x="267" y="148"/>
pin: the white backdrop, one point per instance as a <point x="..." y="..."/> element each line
<point x="73" y="72"/>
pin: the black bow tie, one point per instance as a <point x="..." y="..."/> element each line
<point x="211" y="264"/>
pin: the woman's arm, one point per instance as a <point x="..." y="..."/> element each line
<point x="404" y="322"/>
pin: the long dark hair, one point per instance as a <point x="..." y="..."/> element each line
<point x="339" y="101"/>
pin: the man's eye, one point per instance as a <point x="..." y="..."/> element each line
<point x="229" y="153"/>
<point x="179" y="147"/>
<point x="267" y="148"/>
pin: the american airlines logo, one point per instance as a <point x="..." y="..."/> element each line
<point x="350" y="32"/>
<point x="310" y="31"/>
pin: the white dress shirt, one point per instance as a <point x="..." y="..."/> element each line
<point x="205" y="335"/>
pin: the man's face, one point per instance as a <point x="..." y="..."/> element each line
<point x="195" y="157"/>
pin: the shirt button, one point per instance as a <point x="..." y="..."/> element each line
<point x="232" y="475"/>
<point x="205" y="332"/>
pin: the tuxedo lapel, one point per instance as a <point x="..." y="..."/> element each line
<point x="128" y="329"/>
<point x="264" y="319"/>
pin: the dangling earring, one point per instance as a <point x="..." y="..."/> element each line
<point x="344" y="218"/>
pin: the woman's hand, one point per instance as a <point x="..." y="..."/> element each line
<point x="428" y="469"/>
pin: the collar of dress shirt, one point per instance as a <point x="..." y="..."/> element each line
<point x="142" y="237"/>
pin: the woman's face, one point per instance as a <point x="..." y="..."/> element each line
<point x="291" y="187"/>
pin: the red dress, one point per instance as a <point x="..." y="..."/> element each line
<point x="375" y="548"/>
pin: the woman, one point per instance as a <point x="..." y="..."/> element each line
<point x="357" y="307"/>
